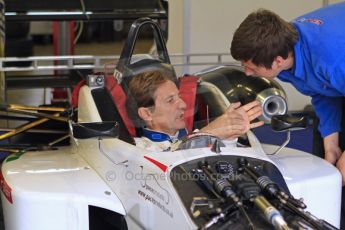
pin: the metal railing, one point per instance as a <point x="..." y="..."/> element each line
<point x="39" y="63"/>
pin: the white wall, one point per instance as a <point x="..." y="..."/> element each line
<point x="207" y="26"/>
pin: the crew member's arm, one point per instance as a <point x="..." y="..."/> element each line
<point x="341" y="166"/>
<point x="331" y="146"/>
<point x="329" y="111"/>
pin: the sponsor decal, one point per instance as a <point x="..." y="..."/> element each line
<point x="312" y="20"/>
<point x="118" y="76"/>
<point x="163" y="194"/>
<point x="155" y="202"/>
<point x="153" y="192"/>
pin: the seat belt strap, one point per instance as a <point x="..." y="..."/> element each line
<point x="188" y="86"/>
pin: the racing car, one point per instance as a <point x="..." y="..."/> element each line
<point x="104" y="181"/>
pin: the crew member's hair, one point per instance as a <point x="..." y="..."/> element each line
<point x="261" y="37"/>
<point x="141" y="92"/>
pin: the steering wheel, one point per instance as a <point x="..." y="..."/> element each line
<point x="199" y="140"/>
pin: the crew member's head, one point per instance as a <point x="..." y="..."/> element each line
<point x="262" y="42"/>
<point x="154" y="102"/>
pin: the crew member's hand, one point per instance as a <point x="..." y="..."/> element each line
<point x="235" y="121"/>
<point x="341" y="166"/>
<point x="332" y="150"/>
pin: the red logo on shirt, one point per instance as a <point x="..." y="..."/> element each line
<point x="312" y="20"/>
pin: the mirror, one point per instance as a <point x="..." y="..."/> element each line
<point x="288" y="122"/>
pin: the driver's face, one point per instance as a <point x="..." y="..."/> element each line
<point x="168" y="113"/>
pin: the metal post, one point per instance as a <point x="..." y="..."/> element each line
<point x="63" y="43"/>
<point x="2" y="51"/>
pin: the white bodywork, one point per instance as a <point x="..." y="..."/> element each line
<point x="53" y="189"/>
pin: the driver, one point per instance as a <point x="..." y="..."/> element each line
<point x="155" y="106"/>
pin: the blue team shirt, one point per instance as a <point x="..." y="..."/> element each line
<point x="319" y="69"/>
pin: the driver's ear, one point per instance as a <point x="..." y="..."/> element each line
<point x="145" y="114"/>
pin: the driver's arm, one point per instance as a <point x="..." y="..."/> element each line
<point x="235" y="121"/>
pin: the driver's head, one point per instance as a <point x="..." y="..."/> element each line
<point x="154" y="102"/>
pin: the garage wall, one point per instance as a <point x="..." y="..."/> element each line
<point x="207" y="26"/>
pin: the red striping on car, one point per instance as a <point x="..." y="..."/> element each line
<point x="6" y="189"/>
<point x="159" y="165"/>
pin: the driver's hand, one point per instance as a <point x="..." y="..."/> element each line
<point x="235" y="121"/>
<point x="252" y="110"/>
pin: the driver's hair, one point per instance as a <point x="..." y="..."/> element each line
<point x="261" y="37"/>
<point x="141" y="91"/>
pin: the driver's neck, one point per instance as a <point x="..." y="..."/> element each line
<point x="159" y="136"/>
<point x="172" y="132"/>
